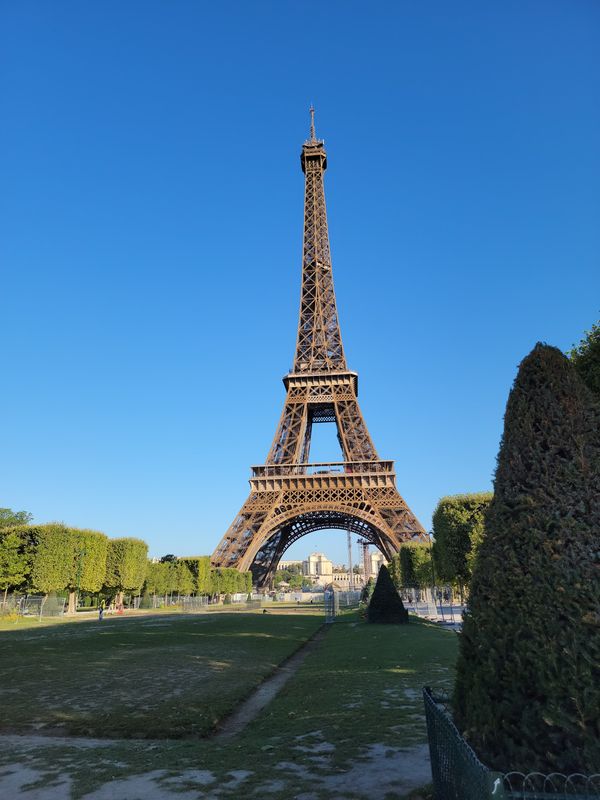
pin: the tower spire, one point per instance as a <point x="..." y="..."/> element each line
<point x="313" y="136"/>
<point x="319" y="347"/>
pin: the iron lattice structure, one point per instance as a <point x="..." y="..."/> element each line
<point x="289" y="496"/>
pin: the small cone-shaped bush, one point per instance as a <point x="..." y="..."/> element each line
<point x="386" y="604"/>
<point x="528" y="682"/>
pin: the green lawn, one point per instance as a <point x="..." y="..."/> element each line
<point x="349" y="724"/>
<point x="155" y="676"/>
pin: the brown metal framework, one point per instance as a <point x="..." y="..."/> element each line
<point x="289" y="496"/>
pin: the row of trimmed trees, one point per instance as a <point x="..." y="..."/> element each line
<point x="188" y="576"/>
<point x="51" y="558"/>
<point x="56" y="558"/>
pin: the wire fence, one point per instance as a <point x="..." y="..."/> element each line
<point x="33" y="605"/>
<point x="458" y="774"/>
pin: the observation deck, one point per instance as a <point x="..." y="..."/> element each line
<point x="322" y="475"/>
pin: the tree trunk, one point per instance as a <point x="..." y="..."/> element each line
<point x="72" y="609"/>
<point x="5" y="594"/>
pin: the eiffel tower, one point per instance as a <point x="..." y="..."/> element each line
<point x="289" y="496"/>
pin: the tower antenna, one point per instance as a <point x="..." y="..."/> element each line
<point x="313" y="136"/>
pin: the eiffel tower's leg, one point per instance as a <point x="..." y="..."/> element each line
<point x="355" y="439"/>
<point x="290" y="439"/>
<point x="243" y="530"/>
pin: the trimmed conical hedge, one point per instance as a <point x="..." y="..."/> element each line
<point x="386" y="604"/>
<point x="528" y="677"/>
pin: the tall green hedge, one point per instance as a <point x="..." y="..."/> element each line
<point x="528" y="675"/>
<point x="126" y="565"/>
<point x="65" y="558"/>
<point x="90" y="568"/>
<point x="227" y="580"/>
<point x="457" y="530"/>
<point x="195" y="576"/>
<point x="54" y="556"/>
<point x="411" y="567"/>
<point x="408" y="574"/>
<point x="15" y="559"/>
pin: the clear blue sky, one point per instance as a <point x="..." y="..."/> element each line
<point x="151" y="239"/>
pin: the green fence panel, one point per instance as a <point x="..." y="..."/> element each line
<point x="459" y="775"/>
<point x="457" y="772"/>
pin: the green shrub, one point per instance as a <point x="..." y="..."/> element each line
<point x="528" y="677"/>
<point x="411" y="566"/>
<point x="586" y="358"/>
<point x="458" y="529"/>
<point x="385" y="604"/>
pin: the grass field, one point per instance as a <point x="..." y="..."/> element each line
<point x="348" y="726"/>
<point x="154" y="676"/>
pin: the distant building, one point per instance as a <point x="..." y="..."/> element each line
<point x="320" y="571"/>
<point x="318" y="568"/>
<point x="377" y="561"/>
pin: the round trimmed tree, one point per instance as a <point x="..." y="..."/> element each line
<point x="528" y="677"/>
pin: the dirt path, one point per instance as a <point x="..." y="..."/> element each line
<point x="267" y="690"/>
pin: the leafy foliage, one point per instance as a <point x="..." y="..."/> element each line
<point x="386" y="604"/>
<point x="194" y="576"/>
<point x="89" y="567"/>
<point x="294" y="578"/>
<point x="158" y="578"/>
<point x="227" y="580"/>
<point x="126" y="564"/>
<point x="203" y="577"/>
<point x="408" y="574"/>
<point x="586" y="358"/>
<point x="15" y="559"/>
<point x="10" y="518"/>
<point x="54" y="556"/>
<point x="528" y="681"/>
<point x="412" y="566"/>
<point x="458" y="529"/>
<point x="66" y="558"/>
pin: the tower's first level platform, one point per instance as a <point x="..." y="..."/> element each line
<point x="323" y="475"/>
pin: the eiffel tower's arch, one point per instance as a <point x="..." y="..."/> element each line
<point x="289" y="495"/>
<point x="296" y="525"/>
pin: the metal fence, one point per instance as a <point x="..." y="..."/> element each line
<point x="459" y="775"/>
<point x="191" y="605"/>
<point x="31" y="605"/>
